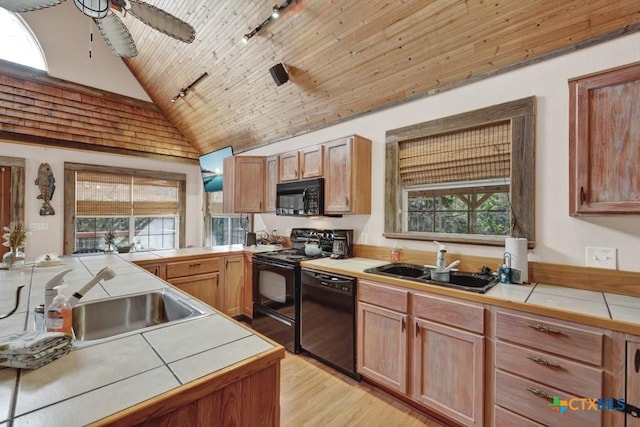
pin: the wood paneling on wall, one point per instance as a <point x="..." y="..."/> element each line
<point x="37" y="108"/>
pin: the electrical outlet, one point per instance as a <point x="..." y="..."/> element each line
<point x="602" y="257"/>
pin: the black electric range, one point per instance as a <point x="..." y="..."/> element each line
<point x="276" y="286"/>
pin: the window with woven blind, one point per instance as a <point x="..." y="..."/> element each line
<point x="140" y="208"/>
<point x="467" y="155"/>
<point x="464" y="178"/>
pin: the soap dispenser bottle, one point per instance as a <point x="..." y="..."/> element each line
<point x="59" y="313"/>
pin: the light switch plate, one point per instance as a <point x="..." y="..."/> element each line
<point x="602" y="257"/>
<point x="38" y="226"/>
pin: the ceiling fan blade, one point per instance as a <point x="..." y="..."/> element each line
<point x="116" y="35"/>
<point x="162" y="21"/>
<point x="20" y="6"/>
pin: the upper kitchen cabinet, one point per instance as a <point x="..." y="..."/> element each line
<point x="604" y="154"/>
<point x="311" y="162"/>
<point x="347" y="173"/>
<point x="244" y="184"/>
<point x="273" y="170"/>
<point x="289" y="166"/>
<point x="302" y="164"/>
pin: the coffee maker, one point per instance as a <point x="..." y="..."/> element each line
<point x="342" y="244"/>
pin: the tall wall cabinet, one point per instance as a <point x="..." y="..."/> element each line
<point x="604" y="153"/>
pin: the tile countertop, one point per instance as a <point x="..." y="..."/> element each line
<point x="211" y="250"/>
<point x="589" y="304"/>
<point x="118" y="373"/>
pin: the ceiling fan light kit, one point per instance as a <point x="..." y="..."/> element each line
<point x="113" y="30"/>
<point x="93" y="8"/>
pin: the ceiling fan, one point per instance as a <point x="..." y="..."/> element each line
<point x="111" y="27"/>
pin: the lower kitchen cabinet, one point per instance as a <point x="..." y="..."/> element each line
<point x="205" y="287"/>
<point x="233" y="285"/>
<point x="448" y="357"/>
<point x="382" y="346"/>
<point x="633" y="380"/>
<point x="443" y="338"/>
<point x="247" y="308"/>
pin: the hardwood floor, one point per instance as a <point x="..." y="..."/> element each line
<point x="312" y="394"/>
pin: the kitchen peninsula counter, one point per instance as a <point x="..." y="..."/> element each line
<point x="184" y="373"/>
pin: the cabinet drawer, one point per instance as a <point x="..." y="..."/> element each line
<point x="506" y="418"/>
<point x="190" y="268"/>
<point x="576" y="343"/>
<point x="384" y="296"/>
<point x="517" y="395"/>
<point x="449" y="312"/>
<point x="570" y="376"/>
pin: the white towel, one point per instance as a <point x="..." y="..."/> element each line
<point x="32" y="350"/>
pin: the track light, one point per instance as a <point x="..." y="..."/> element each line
<point x="184" y="90"/>
<point x="275" y="13"/>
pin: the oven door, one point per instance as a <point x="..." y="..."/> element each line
<point x="274" y="287"/>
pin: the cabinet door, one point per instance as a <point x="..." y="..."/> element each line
<point x="289" y="166"/>
<point x="157" y="269"/>
<point x="382" y="346"/>
<point x="244" y="184"/>
<point x="205" y="287"/>
<point x="271" y="183"/>
<point x="233" y="285"/>
<point x="337" y="176"/>
<point x="311" y="162"/>
<point x="247" y="310"/>
<point x="633" y="380"/>
<point x="448" y="371"/>
<point x="604" y="148"/>
<point x="347" y="173"/>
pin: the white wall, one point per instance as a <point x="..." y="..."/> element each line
<point x="52" y="240"/>
<point x="560" y="238"/>
<point x="63" y="33"/>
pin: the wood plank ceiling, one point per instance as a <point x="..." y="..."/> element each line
<point x="345" y="57"/>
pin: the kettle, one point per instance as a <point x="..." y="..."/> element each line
<point x="312" y="247"/>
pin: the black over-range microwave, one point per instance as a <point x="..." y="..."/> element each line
<point x="300" y="198"/>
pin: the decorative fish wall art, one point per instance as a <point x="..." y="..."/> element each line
<point x="45" y="182"/>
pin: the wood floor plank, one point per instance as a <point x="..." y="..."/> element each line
<point x="312" y="394"/>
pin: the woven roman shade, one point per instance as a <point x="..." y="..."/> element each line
<point x="467" y="155"/>
<point x="102" y="194"/>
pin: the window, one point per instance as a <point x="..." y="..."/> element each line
<point x="466" y="178"/>
<point x="141" y="208"/>
<point x="229" y="229"/>
<point x="17" y="42"/>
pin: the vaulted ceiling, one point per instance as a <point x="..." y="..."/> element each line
<point x="344" y="58"/>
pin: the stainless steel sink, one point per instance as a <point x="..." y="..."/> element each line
<point x="474" y="282"/>
<point x="130" y="314"/>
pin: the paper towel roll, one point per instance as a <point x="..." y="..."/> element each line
<point x="517" y="247"/>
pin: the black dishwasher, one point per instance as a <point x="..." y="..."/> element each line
<point x="327" y="319"/>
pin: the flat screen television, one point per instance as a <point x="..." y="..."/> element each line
<point x="211" y="168"/>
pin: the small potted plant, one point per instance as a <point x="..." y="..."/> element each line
<point x="110" y="242"/>
<point x="15" y="236"/>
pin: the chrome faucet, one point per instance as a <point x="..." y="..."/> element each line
<point x="49" y="291"/>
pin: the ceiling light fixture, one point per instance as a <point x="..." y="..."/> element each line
<point x="275" y="13"/>
<point x="184" y="90"/>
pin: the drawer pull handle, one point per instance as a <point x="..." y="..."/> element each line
<point x="540" y="393"/>
<point x="543" y="361"/>
<point x="403" y="325"/>
<point x="197" y="264"/>
<point x="636" y="362"/>
<point x="543" y="328"/>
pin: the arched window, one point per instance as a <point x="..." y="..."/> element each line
<point x="17" y="42"/>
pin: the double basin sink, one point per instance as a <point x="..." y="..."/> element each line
<point x="473" y="282"/>
<point x="97" y="321"/>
